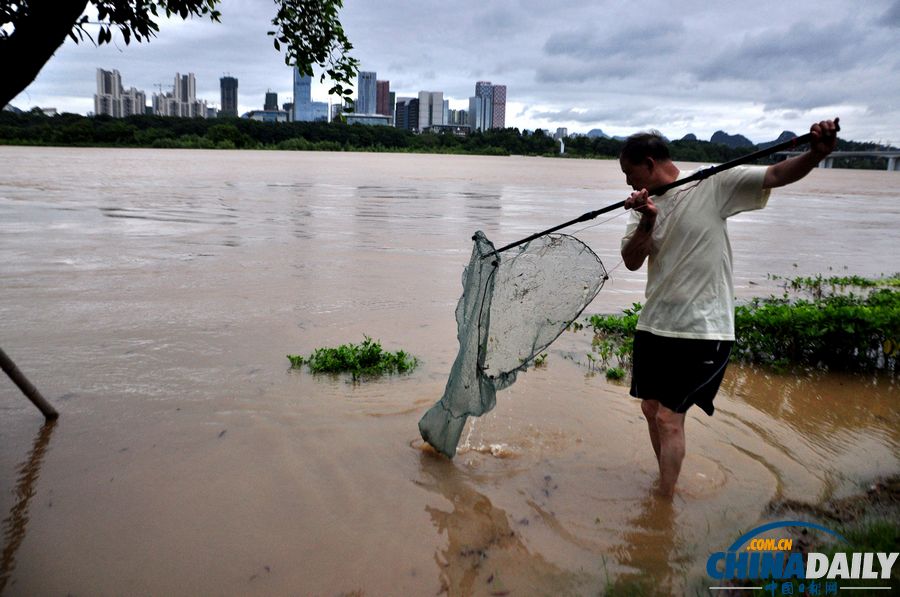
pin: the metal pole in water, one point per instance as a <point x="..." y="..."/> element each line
<point x="27" y="387"/>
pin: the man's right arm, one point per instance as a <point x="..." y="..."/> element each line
<point x="638" y="246"/>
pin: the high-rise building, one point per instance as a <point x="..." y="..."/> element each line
<point x="383" y="97"/>
<point x="406" y="113"/>
<point x="228" y="86"/>
<point x="475" y="120"/>
<point x="112" y="100"/>
<point x="182" y="101"/>
<point x="271" y="101"/>
<point x="392" y="101"/>
<point x="134" y="101"/>
<point x="498" y="108"/>
<point x="109" y="93"/>
<point x="366" y="93"/>
<point x="487" y="109"/>
<point x="185" y="87"/>
<point x="306" y="110"/>
<point x="431" y="109"/>
<point x="484" y="91"/>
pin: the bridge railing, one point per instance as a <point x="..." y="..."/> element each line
<point x="892" y="157"/>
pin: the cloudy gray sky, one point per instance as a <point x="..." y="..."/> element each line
<point x="754" y="68"/>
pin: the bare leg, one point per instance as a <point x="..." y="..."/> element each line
<point x="650" y="408"/>
<point x="670" y="427"/>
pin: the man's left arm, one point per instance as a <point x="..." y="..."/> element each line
<point x="823" y="142"/>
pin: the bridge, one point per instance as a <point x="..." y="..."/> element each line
<point x="893" y="157"/>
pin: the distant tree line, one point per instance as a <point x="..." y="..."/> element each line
<point x="35" y="128"/>
<point x="716" y="153"/>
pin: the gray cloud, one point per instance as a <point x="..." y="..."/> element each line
<point x="802" y="48"/>
<point x="572" y="115"/>
<point x="751" y="68"/>
<point x="590" y="44"/>
<point x="891" y="16"/>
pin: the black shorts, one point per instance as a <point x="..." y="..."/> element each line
<point x="678" y="372"/>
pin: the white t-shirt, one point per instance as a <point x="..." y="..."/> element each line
<point x="690" y="291"/>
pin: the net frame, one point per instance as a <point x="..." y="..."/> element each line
<point x="473" y="382"/>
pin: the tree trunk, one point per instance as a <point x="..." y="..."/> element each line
<point x="33" y="42"/>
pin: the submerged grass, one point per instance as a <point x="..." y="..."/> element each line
<point x="848" y="323"/>
<point x="613" y="337"/>
<point x="366" y="359"/>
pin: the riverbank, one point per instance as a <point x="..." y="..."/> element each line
<point x="840" y="323"/>
<point x="72" y="130"/>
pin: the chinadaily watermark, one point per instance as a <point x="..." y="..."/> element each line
<point x="768" y="563"/>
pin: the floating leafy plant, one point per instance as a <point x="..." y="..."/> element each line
<point x="367" y="358"/>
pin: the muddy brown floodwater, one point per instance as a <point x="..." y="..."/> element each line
<point x="152" y="296"/>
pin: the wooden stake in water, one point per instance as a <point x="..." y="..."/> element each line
<point x="27" y="387"/>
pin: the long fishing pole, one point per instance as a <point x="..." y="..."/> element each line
<point x="660" y="190"/>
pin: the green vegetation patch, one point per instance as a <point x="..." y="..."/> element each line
<point x="367" y="358"/>
<point x="613" y="338"/>
<point x="615" y="373"/>
<point x="848" y="323"/>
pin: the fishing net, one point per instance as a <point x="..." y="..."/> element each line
<point x="513" y="306"/>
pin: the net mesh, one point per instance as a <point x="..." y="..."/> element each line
<point x="513" y="306"/>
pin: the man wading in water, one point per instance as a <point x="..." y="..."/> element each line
<point x="686" y="329"/>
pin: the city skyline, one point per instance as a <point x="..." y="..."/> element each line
<point x="487" y="106"/>
<point x="754" y="70"/>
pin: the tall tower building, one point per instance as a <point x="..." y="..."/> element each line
<point x="108" y="99"/>
<point x="271" y="101"/>
<point x="431" y="109"/>
<point x="228" y="87"/>
<point x="392" y="103"/>
<point x="484" y="91"/>
<point x="366" y="93"/>
<point x="185" y="87"/>
<point x="498" y="107"/>
<point x="306" y="110"/>
<point x="487" y="109"/>
<point x="383" y="98"/>
<point x="474" y="119"/>
<point x="406" y="115"/>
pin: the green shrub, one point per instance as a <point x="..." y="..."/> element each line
<point x="295" y="144"/>
<point x="615" y="373"/>
<point x="835" y="329"/>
